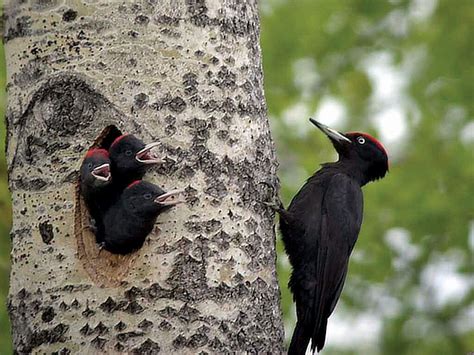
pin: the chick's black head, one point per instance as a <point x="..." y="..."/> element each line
<point x="146" y="199"/>
<point x="95" y="169"/>
<point x="130" y="156"/>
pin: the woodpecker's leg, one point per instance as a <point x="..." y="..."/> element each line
<point x="275" y="205"/>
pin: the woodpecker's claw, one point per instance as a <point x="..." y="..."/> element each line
<point x="275" y="205"/>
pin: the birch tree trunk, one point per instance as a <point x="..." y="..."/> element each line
<point x="186" y="72"/>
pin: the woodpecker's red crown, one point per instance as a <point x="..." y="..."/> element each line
<point x="118" y="139"/>
<point x="134" y="183"/>
<point x="97" y="151"/>
<point x="370" y="138"/>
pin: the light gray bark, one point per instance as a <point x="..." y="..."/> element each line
<point x="187" y="72"/>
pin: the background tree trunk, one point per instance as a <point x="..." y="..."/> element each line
<point x="185" y="72"/>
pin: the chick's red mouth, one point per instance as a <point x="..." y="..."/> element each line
<point x="102" y="172"/>
<point x="147" y="155"/>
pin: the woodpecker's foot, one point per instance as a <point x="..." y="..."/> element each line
<point x="275" y="202"/>
<point x="275" y="205"/>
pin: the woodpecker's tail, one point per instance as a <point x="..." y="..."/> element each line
<point x="300" y="340"/>
<point x="319" y="338"/>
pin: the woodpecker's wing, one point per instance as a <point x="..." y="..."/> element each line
<point x="341" y="219"/>
<point x="303" y="215"/>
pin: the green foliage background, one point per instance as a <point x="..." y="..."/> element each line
<point x="429" y="191"/>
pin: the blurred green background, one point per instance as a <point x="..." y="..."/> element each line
<point x="402" y="71"/>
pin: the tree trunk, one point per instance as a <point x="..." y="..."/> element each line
<point x="186" y="72"/>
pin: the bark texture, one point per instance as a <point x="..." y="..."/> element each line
<point x="186" y="72"/>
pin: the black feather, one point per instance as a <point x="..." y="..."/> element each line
<point x="320" y="228"/>
<point x="97" y="193"/>
<point x="326" y="216"/>
<point x="132" y="217"/>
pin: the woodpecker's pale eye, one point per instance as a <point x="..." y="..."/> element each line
<point x="147" y="196"/>
<point x="128" y="153"/>
<point x="361" y="140"/>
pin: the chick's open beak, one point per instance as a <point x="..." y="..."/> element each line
<point x="170" y="198"/>
<point x="102" y="172"/>
<point x="147" y="155"/>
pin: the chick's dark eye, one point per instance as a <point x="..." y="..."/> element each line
<point x="128" y="153"/>
<point x="89" y="165"/>
<point x="361" y="140"/>
<point x="147" y="196"/>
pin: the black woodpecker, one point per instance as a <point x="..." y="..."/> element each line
<point x="130" y="159"/>
<point x="320" y="227"/>
<point x="132" y="217"/>
<point x="95" y="186"/>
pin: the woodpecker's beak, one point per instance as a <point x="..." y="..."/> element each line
<point x="147" y="156"/>
<point x="102" y="172"/>
<point x="334" y="135"/>
<point x="170" y="198"/>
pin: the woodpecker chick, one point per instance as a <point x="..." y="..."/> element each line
<point x="130" y="159"/>
<point x="95" y="182"/>
<point x="320" y="227"/>
<point x="132" y="218"/>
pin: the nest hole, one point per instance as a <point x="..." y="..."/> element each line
<point x="104" y="268"/>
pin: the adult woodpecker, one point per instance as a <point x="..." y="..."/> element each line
<point x="131" y="219"/>
<point x="130" y="158"/>
<point x="320" y="227"/>
<point x="95" y="185"/>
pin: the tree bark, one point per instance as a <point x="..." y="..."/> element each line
<point x="186" y="72"/>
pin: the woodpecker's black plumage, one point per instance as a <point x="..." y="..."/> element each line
<point x="95" y="186"/>
<point x="131" y="218"/>
<point x="130" y="158"/>
<point x="320" y="228"/>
